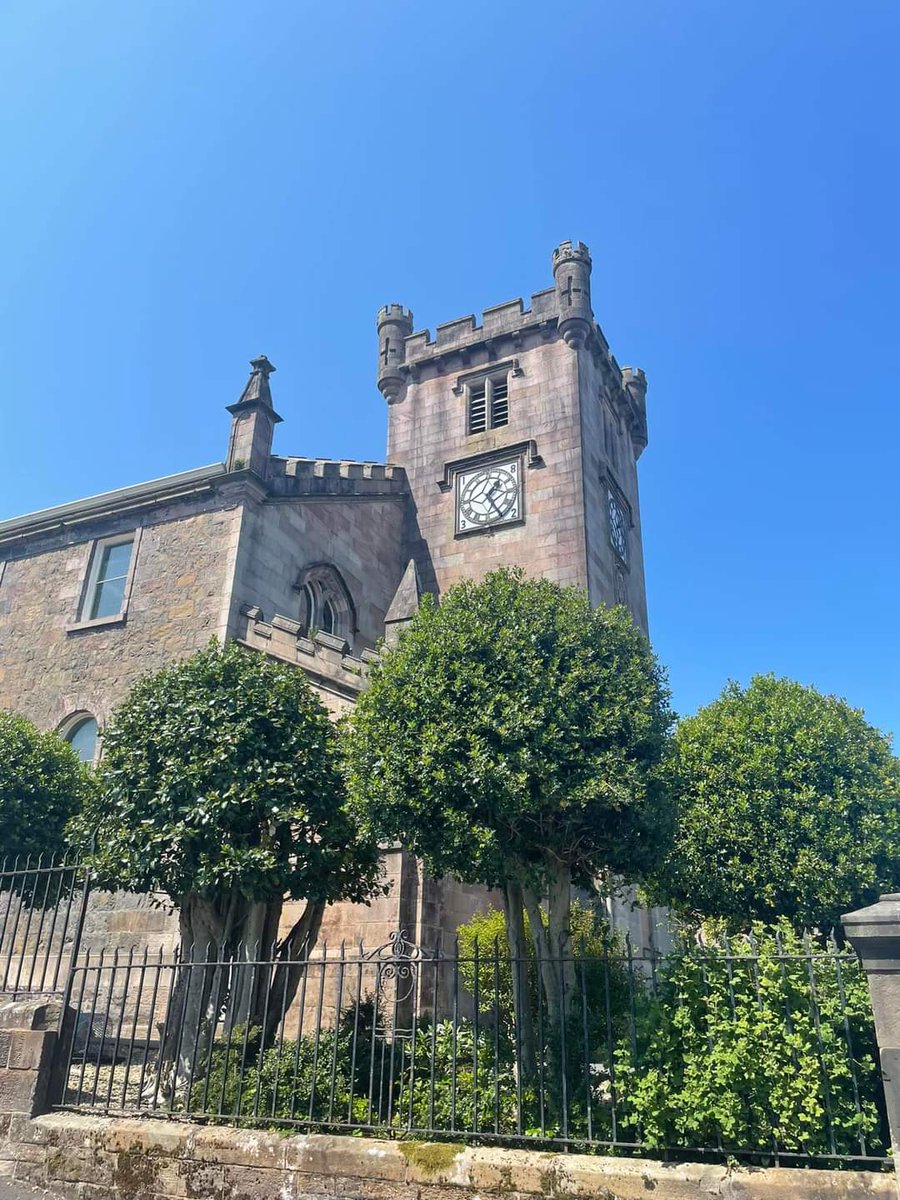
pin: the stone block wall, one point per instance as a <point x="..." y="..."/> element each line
<point x="361" y="536"/>
<point x="98" y="1158"/>
<point x="27" y="1037"/>
<point x="178" y="601"/>
<point x="427" y="430"/>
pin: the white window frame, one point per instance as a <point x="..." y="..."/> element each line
<point x="88" y="592"/>
<point x="73" y="722"/>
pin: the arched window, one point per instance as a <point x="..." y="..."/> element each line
<point x="328" y="620"/>
<point x="308" y="602"/>
<point x="325" y="604"/>
<point x="81" y="732"/>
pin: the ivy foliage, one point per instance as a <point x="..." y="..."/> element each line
<point x="220" y="775"/>
<point x="766" y="1040"/>
<point x="43" y="784"/>
<point x="512" y="729"/>
<point x="788" y="808"/>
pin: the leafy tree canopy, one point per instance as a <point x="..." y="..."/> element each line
<point x="42" y="784"/>
<point x="219" y="777"/>
<point x="789" y="808"/>
<point x="514" y="729"/>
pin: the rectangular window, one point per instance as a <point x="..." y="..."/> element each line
<point x="105" y="596"/>
<point x="488" y="404"/>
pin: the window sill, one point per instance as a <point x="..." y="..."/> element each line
<point x="96" y="623"/>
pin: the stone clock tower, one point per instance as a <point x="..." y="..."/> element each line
<point x="520" y="438"/>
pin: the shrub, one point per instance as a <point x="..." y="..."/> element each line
<point x="42" y="785"/>
<point x="747" y="1049"/>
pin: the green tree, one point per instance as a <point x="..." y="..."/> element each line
<point x="513" y="738"/>
<point x="219" y="786"/>
<point x="788" y="808"/>
<point x="42" y="785"/>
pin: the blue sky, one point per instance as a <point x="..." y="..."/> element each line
<point x="188" y="184"/>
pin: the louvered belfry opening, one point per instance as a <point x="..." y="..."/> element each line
<point x="499" y="402"/>
<point x="488" y="404"/>
<point x="478" y="407"/>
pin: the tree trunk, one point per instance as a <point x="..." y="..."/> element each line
<point x="546" y="967"/>
<point x="557" y="973"/>
<point x="292" y="957"/>
<point x="188" y="1026"/>
<point x="256" y="950"/>
<point x="559" y="915"/>
<point x="254" y="979"/>
<point x="523" y="1015"/>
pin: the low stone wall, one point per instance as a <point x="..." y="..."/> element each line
<point x="100" y="1158"/>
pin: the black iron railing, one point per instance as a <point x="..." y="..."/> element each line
<point x="756" y="1048"/>
<point x="42" y="906"/>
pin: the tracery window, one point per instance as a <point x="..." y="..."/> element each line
<point x="325" y="603"/>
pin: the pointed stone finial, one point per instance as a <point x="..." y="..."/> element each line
<point x="257" y="388"/>
<point x="254" y="421"/>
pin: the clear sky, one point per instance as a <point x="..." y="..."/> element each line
<point x="188" y="183"/>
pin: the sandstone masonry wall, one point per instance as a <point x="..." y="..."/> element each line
<point x="360" y="536"/>
<point x="427" y="430"/>
<point x="181" y="575"/>
<point x="97" y="1158"/>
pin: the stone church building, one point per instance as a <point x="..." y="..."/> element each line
<point x="511" y="440"/>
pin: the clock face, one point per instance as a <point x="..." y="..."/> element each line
<point x="488" y="496"/>
<point x="618" y="528"/>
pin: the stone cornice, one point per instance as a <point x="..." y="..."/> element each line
<point x="136" y="498"/>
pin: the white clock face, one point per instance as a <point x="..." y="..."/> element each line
<point x="618" y="528"/>
<point x="488" y="496"/>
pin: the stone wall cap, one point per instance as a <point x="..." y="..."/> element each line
<point x="885" y="911"/>
<point x="368" y="1167"/>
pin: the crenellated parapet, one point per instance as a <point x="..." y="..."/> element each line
<point x="466" y="341"/>
<point x="336" y="477"/>
<point x="324" y="657"/>
<point x="562" y="311"/>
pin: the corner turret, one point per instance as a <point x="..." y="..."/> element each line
<point x="572" y="272"/>
<point x="253" y="422"/>
<point x="395" y="324"/>
<point x="635" y="383"/>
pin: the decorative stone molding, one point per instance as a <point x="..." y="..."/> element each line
<point x="528" y="449"/>
<point x="324" y="657"/>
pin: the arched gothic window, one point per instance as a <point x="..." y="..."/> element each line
<point x="325" y="603"/>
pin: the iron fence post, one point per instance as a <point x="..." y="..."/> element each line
<point x="874" y="933"/>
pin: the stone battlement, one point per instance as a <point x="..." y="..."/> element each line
<point x="394" y="312"/>
<point x="324" y="657"/>
<point x="336" y="477"/>
<point x="500" y="319"/>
